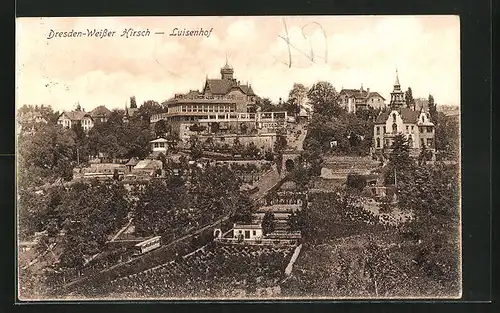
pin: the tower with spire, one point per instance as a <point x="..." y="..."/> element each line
<point x="397" y="95"/>
<point x="227" y="71"/>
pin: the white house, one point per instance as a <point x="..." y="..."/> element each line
<point x="159" y="145"/>
<point x="247" y="232"/>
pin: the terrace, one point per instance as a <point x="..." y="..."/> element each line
<point x="215" y="270"/>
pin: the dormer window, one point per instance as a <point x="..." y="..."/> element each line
<point x="394" y="117"/>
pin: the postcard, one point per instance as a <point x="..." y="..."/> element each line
<point x="241" y="157"/>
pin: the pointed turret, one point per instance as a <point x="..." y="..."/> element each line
<point x="396" y="83"/>
<point x="397" y="95"/>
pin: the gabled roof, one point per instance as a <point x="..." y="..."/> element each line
<point x="223" y="86"/>
<point x="247" y="89"/>
<point x="132" y="162"/>
<point x="159" y="140"/>
<point x="76" y="115"/>
<point x="358" y="94"/>
<point x="148" y="164"/>
<point x="219" y="86"/>
<point x="375" y="94"/>
<point x="247" y="226"/>
<point x="409" y="116"/>
<point x="100" y="111"/>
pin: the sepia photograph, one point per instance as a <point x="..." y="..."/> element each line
<point x="238" y="158"/>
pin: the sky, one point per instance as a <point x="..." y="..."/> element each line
<point x="347" y="51"/>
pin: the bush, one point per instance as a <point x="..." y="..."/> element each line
<point x="356" y="181"/>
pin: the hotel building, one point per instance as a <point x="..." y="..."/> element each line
<point x="223" y="107"/>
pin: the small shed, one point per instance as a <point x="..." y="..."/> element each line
<point x="131" y="163"/>
<point x="247" y="232"/>
<point x="147" y="167"/>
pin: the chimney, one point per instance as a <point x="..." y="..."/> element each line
<point x="368" y="91"/>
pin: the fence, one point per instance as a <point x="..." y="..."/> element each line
<point x="279" y="242"/>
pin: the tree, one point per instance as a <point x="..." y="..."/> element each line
<point x="296" y="221"/>
<point x="268" y="223"/>
<point x="215" y="127"/>
<point x="148" y="109"/>
<point x="432" y="194"/>
<point x="356" y="181"/>
<point x="196" y="147"/>
<point x="433" y="110"/>
<point x="448" y="136"/>
<point x="323" y="98"/>
<point x="49" y="152"/>
<point x="386" y="204"/>
<point x="237" y="146"/>
<point x="197" y="128"/>
<point x="296" y="98"/>
<point x="133" y="104"/>
<point x="410" y="102"/>
<point x="243" y="211"/>
<point x="424" y="156"/>
<point x="243" y="128"/>
<point x="161" y="128"/>
<point x="266" y="105"/>
<point x="252" y="150"/>
<point x="173" y="140"/>
<point x="81" y="143"/>
<point x="91" y="212"/>
<point x="335" y="214"/>
<point x="400" y="163"/>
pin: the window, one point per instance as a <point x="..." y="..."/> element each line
<point x="429" y="142"/>
<point x="378" y="130"/>
<point x="394" y="128"/>
<point x="421" y="129"/>
<point x="254" y="233"/>
<point x="422" y="143"/>
<point x="407" y="129"/>
<point x="378" y="142"/>
<point x="384" y="130"/>
<point x="429" y="129"/>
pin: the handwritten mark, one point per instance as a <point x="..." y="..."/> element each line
<point x="309" y="56"/>
<point x="310" y="44"/>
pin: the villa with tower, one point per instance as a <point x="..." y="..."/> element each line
<point x="415" y="125"/>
